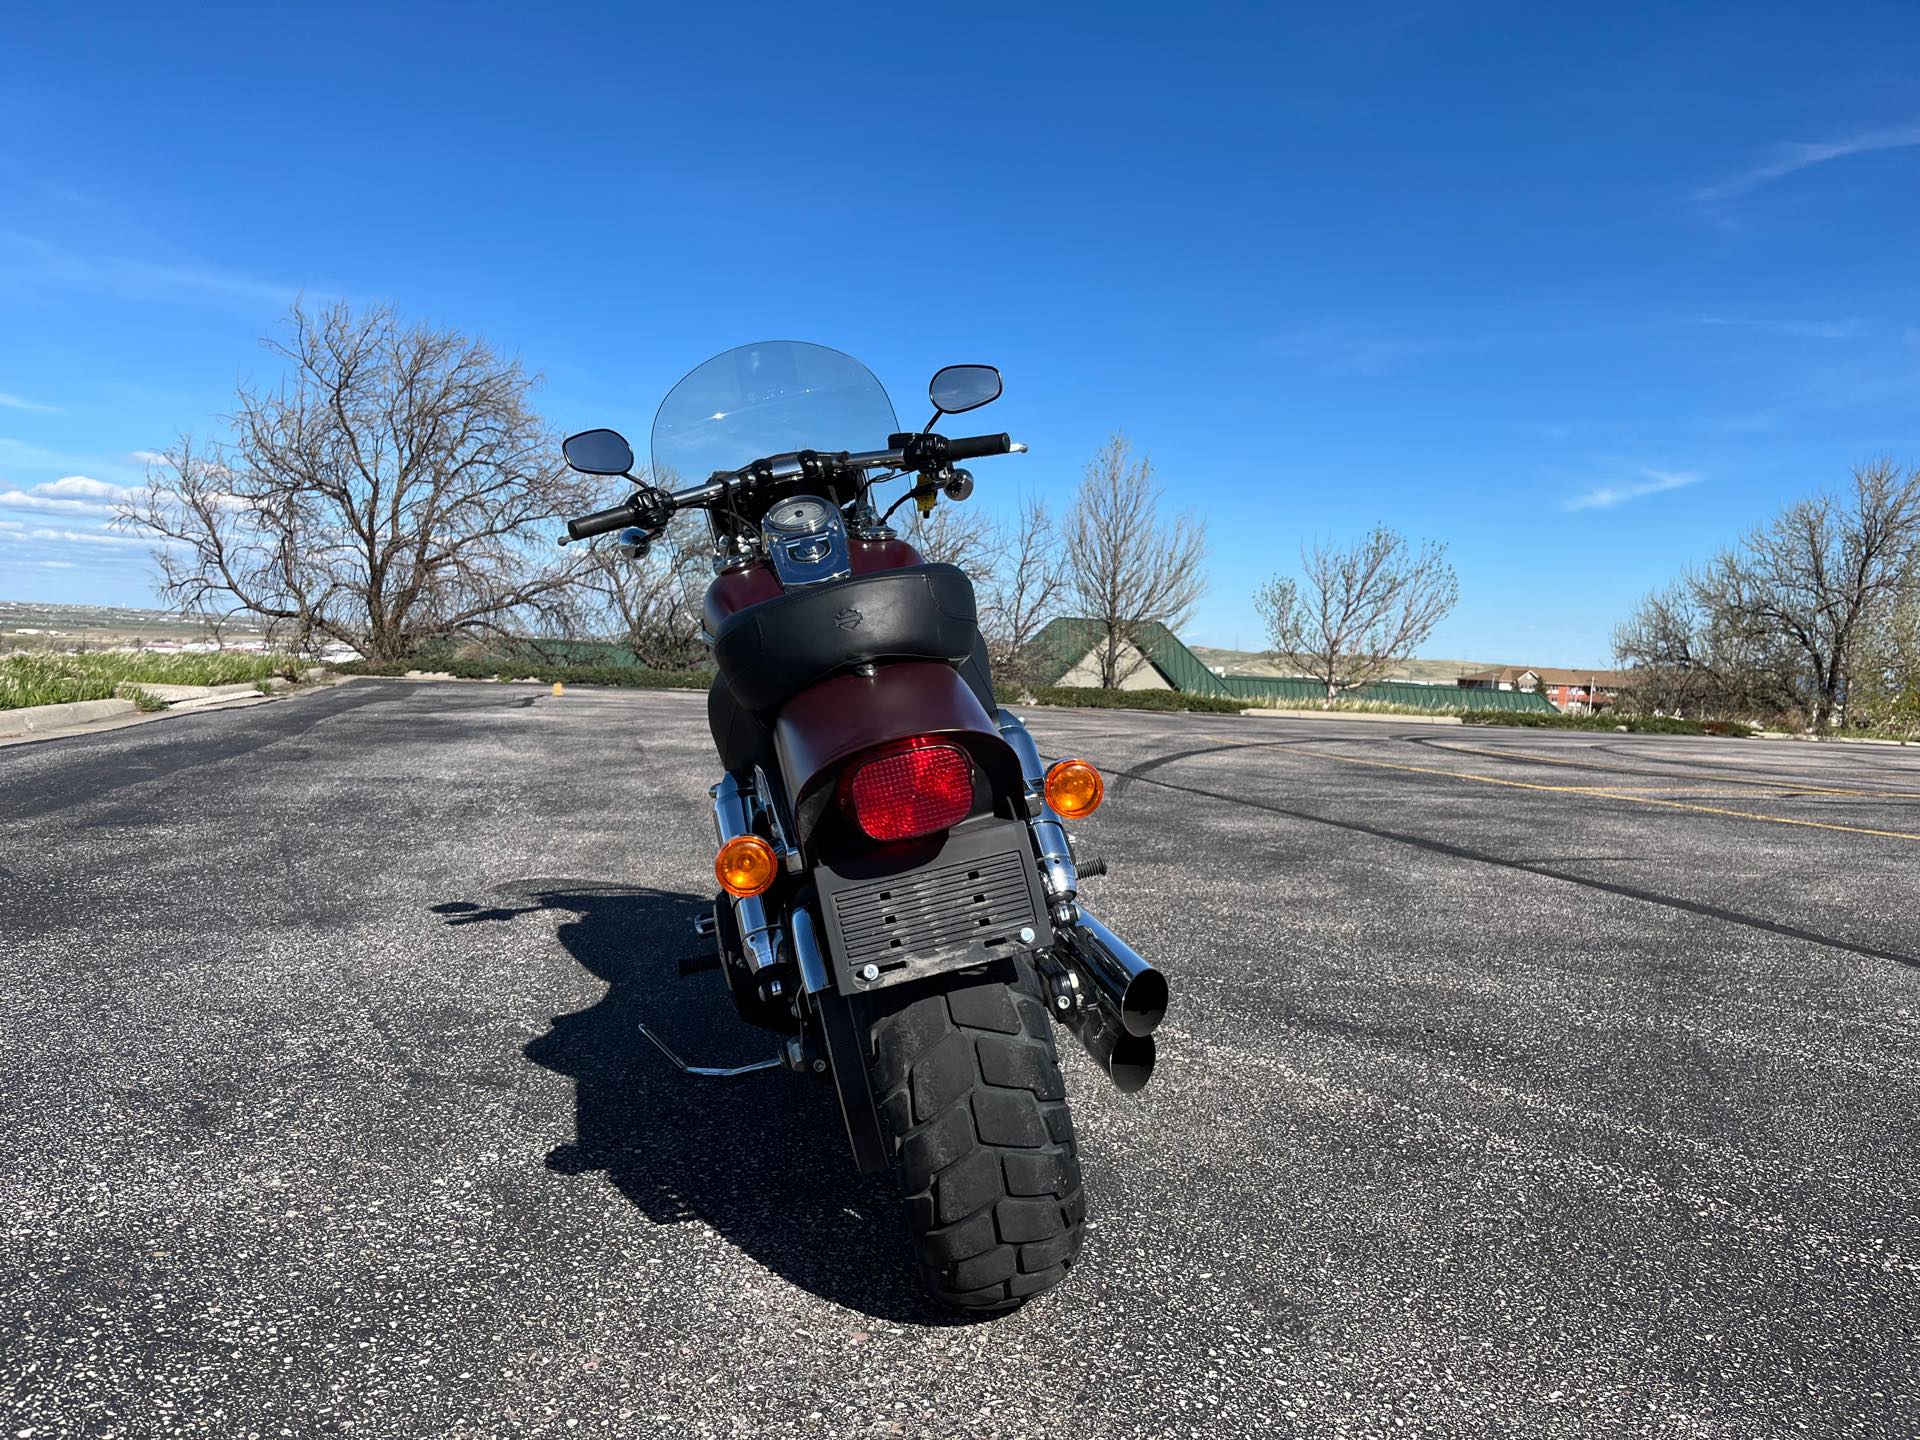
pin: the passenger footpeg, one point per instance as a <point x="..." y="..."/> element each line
<point x="795" y="1054"/>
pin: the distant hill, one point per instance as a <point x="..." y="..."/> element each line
<point x="1251" y="662"/>
<point x="29" y="624"/>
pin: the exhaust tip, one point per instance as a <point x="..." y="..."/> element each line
<point x="1143" y="1005"/>
<point x="1131" y="1064"/>
<point x="1125" y="1058"/>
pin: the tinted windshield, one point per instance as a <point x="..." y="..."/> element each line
<point x="768" y="399"/>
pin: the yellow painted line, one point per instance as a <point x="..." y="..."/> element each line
<point x="1532" y="759"/>
<point x="1600" y="793"/>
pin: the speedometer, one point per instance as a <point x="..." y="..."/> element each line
<point x="806" y="540"/>
<point x="801" y="515"/>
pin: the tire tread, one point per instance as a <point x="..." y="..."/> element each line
<point x="974" y="1113"/>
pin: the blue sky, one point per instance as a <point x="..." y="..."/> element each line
<point x="1581" y="293"/>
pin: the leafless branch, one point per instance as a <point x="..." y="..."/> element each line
<point x="1126" y="567"/>
<point x="1355" y="612"/>
<point x="394" y="488"/>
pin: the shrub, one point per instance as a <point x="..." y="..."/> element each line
<point x="1095" y="699"/>
<point x="631" y="676"/>
<point x="1640" y="724"/>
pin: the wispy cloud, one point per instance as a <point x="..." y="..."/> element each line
<point x="1793" y="157"/>
<point x="77" y="537"/>
<point x="16" y="402"/>
<point x="21" y="500"/>
<point x="1332" y="351"/>
<point x="86" y="487"/>
<point x="1848" y="329"/>
<point x="1605" y="497"/>
<point x="26" y="257"/>
<point x="70" y="494"/>
<point x="17" y="456"/>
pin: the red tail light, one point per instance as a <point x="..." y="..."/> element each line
<point x="916" y="789"/>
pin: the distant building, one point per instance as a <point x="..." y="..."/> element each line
<point x="1577" y="692"/>
<point x="1067" y="653"/>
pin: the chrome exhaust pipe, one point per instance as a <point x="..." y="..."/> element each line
<point x="1133" y="990"/>
<point x="1126" y="1058"/>
<point x="732" y="818"/>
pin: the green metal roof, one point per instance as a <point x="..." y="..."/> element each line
<point x="1062" y="645"/>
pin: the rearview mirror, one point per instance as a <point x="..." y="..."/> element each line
<point x="598" y="452"/>
<point x="959" y="388"/>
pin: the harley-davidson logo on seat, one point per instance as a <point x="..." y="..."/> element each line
<point x="849" y="619"/>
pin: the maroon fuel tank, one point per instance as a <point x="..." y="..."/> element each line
<point x="821" y="728"/>
<point x="734" y="590"/>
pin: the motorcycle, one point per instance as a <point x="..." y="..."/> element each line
<point x="898" y="892"/>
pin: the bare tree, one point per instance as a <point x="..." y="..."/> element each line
<point x="650" y="604"/>
<point x="393" y="489"/>
<point x="1813" y="578"/>
<point x="1024" y="592"/>
<point x="1126" y="567"/>
<point x="1686" y="658"/>
<point x="1884" y="690"/>
<point x="951" y="534"/>
<point x="1356" y="611"/>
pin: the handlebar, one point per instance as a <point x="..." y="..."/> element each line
<point x="651" y="509"/>
<point x="973" y="447"/>
<point x="601" y="522"/>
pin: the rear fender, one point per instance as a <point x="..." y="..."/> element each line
<point x="823" y="727"/>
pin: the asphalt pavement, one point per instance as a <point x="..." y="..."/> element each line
<point x="1516" y="1083"/>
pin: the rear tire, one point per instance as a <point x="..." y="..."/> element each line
<point x="973" y="1113"/>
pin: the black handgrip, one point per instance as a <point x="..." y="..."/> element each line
<point x="618" y="517"/>
<point x="972" y="447"/>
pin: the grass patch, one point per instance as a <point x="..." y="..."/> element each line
<point x="60" y="679"/>
<point x="1637" y="724"/>
<point x="631" y="676"/>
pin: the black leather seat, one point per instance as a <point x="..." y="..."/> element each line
<point x="770" y="653"/>
<point x="778" y="648"/>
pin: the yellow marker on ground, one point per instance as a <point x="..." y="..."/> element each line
<point x="558" y="688"/>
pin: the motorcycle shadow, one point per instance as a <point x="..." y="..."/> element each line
<point x="760" y="1158"/>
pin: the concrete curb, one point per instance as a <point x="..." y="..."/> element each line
<point x="191" y="694"/>
<point x="1367" y="715"/>
<point x="35" y="718"/>
<point x="18" y="727"/>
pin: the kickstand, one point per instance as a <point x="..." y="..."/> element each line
<point x="712" y="1071"/>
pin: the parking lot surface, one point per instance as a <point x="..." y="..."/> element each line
<point x="1516" y="1084"/>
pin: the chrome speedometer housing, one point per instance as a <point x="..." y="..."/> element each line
<point x="806" y="540"/>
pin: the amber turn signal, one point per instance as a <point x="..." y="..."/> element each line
<point x="1074" y="789"/>
<point x="745" y="866"/>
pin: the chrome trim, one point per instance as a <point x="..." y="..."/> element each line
<point x="711" y="1071"/>
<point x="806" y="951"/>
<point x="1132" y="989"/>
<point x="782" y="842"/>
<point x="810" y="555"/>
<point x="1057" y="873"/>
<point x="733" y="812"/>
